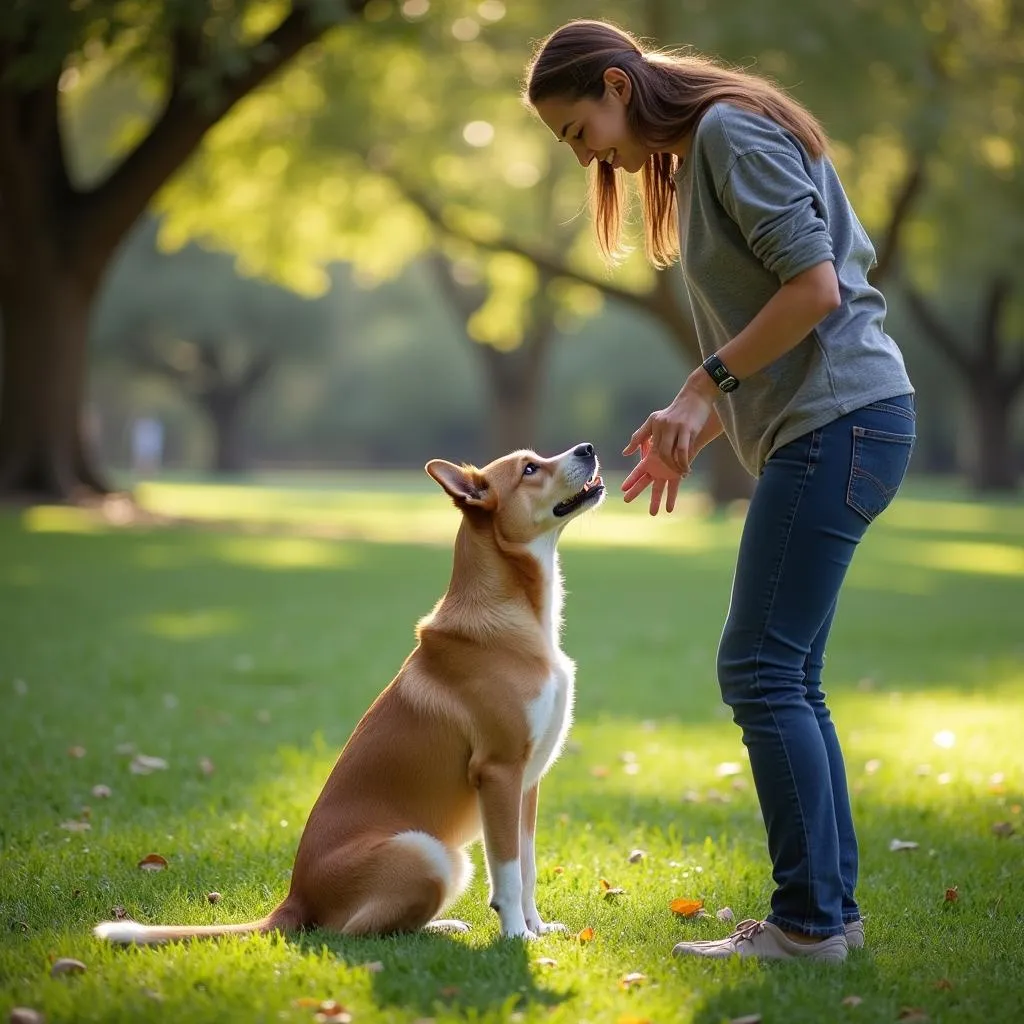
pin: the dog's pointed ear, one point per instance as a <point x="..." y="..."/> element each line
<point x="462" y="483"/>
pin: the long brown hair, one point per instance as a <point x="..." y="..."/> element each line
<point x="670" y="93"/>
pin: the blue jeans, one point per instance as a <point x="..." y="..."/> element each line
<point x="810" y="508"/>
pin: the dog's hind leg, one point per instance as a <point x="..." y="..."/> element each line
<point x="405" y="881"/>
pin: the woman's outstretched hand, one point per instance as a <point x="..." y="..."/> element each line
<point x="652" y="472"/>
<point x="673" y="430"/>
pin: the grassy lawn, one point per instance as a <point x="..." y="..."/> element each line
<point x="257" y="645"/>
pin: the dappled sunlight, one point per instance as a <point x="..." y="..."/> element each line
<point x="61" y="519"/>
<point x="193" y="625"/>
<point x="954" y="516"/>
<point x="285" y="553"/>
<point x="972" y="557"/>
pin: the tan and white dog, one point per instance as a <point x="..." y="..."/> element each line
<point x="457" y="744"/>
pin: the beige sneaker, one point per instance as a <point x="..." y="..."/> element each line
<point x="763" y="939"/>
<point x="855" y="934"/>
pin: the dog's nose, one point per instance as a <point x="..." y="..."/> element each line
<point x="584" y="451"/>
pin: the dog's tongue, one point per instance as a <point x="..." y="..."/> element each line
<point x="596" y="482"/>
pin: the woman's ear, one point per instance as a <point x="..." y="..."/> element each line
<point x="619" y="83"/>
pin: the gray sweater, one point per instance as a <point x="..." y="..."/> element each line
<point x="754" y="211"/>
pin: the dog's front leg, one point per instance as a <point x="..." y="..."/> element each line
<point x="501" y="789"/>
<point x="528" y="864"/>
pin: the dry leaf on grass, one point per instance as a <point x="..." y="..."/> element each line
<point x="632" y="980"/>
<point x="635" y="856"/>
<point x="1003" y="829"/>
<point x="852" y="1001"/>
<point x="143" y="764"/>
<point x="944" y="985"/>
<point x="119" y="913"/>
<point x="24" y="1015"/>
<point x="895" y="845"/>
<point x="75" y="826"/>
<point x="76" y="751"/>
<point x="373" y="966"/>
<point x="101" y="792"/>
<point x="558" y="870"/>
<point x="728" y="768"/>
<point x="213" y="897"/>
<point x="725" y="914"/>
<point x="545" y="961"/>
<point x="586" y="935"/>
<point x="65" y="965"/>
<point x="449" y="991"/>
<point x="685" y="907"/>
<point x="153" y="862"/>
<point x="206" y="766"/>
<point x="611" y="891"/>
<point x="912" y="1013"/>
<point x="952" y="894"/>
<point x="331" y="1012"/>
<point x="634" y="1020"/>
<point x="599" y="771"/>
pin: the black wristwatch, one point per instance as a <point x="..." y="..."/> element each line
<point x="718" y="372"/>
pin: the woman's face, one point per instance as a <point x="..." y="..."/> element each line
<point x="598" y="128"/>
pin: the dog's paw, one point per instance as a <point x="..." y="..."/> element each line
<point x="524" y="934"/>
<point x="550" y="928"/>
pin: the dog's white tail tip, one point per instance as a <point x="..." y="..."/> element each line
<point x="120" y="931"/>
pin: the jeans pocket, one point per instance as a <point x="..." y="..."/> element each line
<point x="879" y="463"/>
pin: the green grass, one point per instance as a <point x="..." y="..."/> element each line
<point x="259" y="643"/>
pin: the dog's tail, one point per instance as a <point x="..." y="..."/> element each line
<point x="128" y="933"/>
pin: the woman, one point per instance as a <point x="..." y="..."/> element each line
<point x="799" y="375"/>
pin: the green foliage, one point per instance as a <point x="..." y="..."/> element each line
<point x="260" y="650"/>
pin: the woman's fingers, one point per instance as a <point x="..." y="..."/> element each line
<point x="656" y="492"/>
<point x="639" y="436"/>
<point x="638" y="487"/>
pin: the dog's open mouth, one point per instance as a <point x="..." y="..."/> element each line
<point x="590" y="490"/>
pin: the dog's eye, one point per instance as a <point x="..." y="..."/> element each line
<point x="530" y="468"/>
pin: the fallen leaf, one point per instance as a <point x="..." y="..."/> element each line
<point x="895" y="845"/>
<point x="153" y="862"/>
<point x="331" y="1012"/>
<point x="449" y="991"/>
<point x="101" y="792"/>
<point x="65" y="965"/>
<point x="632" y="980"/>
<point x="213" y="897"/>
<point x="545" y="961"/>
<point x="586" y="935"/>
<point x="23" y="1015"/>
<point x="75" y="826"/>
<point x="599" y="771"/>
<point x="609" y="890"/>
<point x="685" y="907"/>
<point x="306" y="1002"/>
<point x="1003" y="828"/>
<point x="635" y="856"/>
<point x="119" y="913"/>
<point x="558" y="869"/>
<point x="872" y="766"/>
<point x="206" y="766"/>
<point x="725" y="914"/>
<point x="852" y="1001"/>
<point x="373" y="966"/>
<point x="634" y="1020"/>
<point x="952" y="894"/>
<point x="912" y="1013"/>
<point x="143" y="764"/>
<point x="727" y="769"/>
<point x="944" y="985"/>
<point x="76" y="751"/>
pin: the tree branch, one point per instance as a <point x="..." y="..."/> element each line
<point x="113" y="206"/>
<point x="888" y="250"/>
<point x="934" y="330"/>
<point x="999" y="291"/>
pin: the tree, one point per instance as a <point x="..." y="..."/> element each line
<point x="191" y="320"/>
<point x="58" y="235"/>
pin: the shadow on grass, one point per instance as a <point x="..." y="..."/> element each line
<point x="425" y="973"/>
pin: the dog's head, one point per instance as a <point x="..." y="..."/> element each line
<point x="525" y="494"/>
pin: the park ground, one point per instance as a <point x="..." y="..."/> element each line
<point x="239" y="641"/>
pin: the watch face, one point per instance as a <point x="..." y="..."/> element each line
<point x="730" y="383"/>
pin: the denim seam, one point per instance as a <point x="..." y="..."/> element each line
<point x="808" y="469"/>
<point x="897" y="410"/>
<point x="857" y="472"/>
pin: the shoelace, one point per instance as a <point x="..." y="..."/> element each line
<point x="746" y="930"/>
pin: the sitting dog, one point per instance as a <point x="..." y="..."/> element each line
<point x="456" y="745"/>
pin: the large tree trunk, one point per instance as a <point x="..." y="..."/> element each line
<point x="514" y="380"/>
<point x="43" y="450"/>
<point x="225" y="412"/>
<point x="995" y="466"/>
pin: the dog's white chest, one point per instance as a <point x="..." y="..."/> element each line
<point x="549" y="716"/>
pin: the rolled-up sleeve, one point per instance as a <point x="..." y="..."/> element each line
<point x="775" y="204"/>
